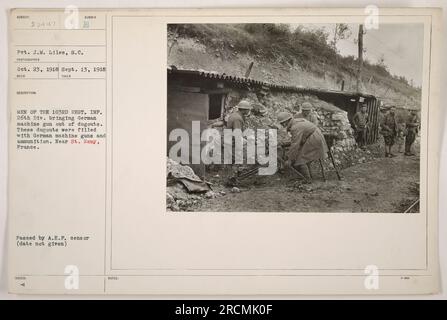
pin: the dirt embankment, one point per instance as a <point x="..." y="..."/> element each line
<point x="192" y="53"/>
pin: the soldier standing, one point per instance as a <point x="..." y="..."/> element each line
<point x="236" y="121"/>
<point x="400" y="139"/>
<point x="388" y="129"/>
<point x="411" y="128"/>
<point x="360" y="122"/>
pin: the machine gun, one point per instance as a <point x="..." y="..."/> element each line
<point x="330" y="142"/>
<point x="253" y="170"/>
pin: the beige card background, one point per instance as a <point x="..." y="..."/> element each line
<point x="116" y="193"/>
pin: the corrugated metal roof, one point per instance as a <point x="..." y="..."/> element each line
<point x="235" y="79"/>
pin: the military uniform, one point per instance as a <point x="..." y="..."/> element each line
<point x="400" y="139"/>
<point x="236" y="121"/>
<point x="307" y="112"/>
<point x="360" y="121"/>
<point x="311" y="117"/>
<point x="411" y="126"/>
<point x="389" y="129"/>
<point x="307" y="144"/>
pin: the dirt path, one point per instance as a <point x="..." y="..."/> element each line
<point x="383" y="185"/>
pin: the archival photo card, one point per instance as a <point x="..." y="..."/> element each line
<point x="224" y="151"/>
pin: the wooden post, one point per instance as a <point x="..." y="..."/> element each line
<point x="247" y="73"/>
<point x="359" y="71"/>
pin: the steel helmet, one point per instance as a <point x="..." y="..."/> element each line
<point x="244" y="104"/>
<point x="307" y="106"/>
<point x="284" y="116"/>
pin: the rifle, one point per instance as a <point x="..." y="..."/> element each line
<point x="252" y="171"/>
<point x="329" y="142"/>
<point x="293" y="169"/>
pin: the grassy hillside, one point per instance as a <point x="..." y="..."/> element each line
<point x="299" y="57"/>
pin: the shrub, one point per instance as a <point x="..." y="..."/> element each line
<point x="309" y="48"/>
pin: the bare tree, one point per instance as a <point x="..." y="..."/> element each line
<point x="381" y="62"/>
<point x="341" y="31"/>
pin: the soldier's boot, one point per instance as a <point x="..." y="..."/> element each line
<point x="304" y="170"/>
<point x="408" y="150"/>
<point x="390" y="154"/>
<point x="310" y="170"/>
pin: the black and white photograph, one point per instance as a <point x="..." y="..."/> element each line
<point x="257" y="152"/>
<point x="294" y="117"/>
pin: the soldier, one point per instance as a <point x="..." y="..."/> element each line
<point x="360" y="124"/>
<point x="308" y="113"/>
<point x="307" y="143"/>
<point x="388" y="130"/>
<point x="411" y="128"/>
<point x="236" y="120"/>
<point x="400" y="139"/>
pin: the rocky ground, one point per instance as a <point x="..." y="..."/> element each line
<point x="192" y="53"/>
<point x="383" y="185"/>
<point x="377" y="185"/>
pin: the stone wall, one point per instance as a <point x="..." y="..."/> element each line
<point x="332" y="121"/>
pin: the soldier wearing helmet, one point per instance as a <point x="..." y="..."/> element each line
<point x="307" y="113"/>
<point x="236" y="120"/>
<point x="412" y="128"/>
<point x="307" y="143"/>
<point x="388" y="129"/>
